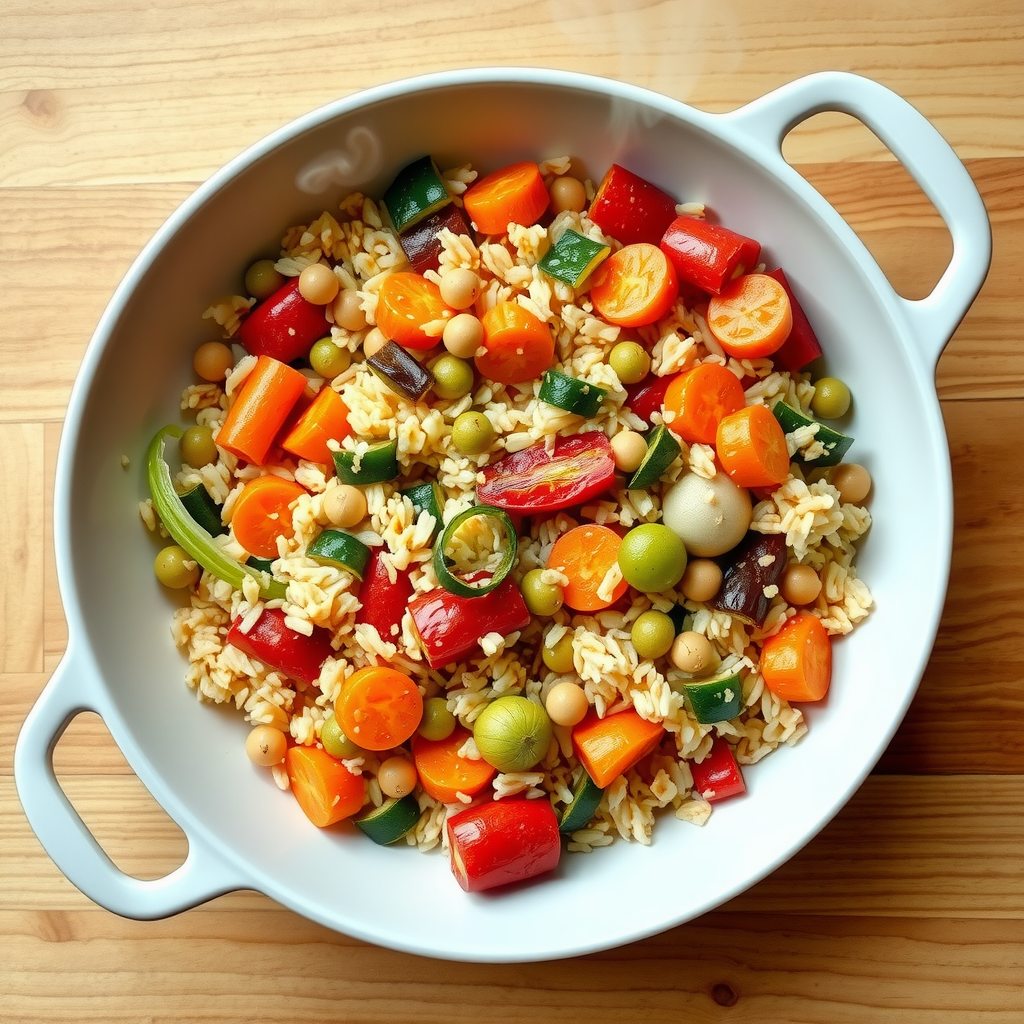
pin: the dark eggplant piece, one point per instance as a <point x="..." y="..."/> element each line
<point x="420" y="242"/>
<point x="403" y="373"/>
<point x="755" y="564"/>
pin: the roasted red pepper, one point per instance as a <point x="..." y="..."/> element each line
<point x="718" y="776"/>
<point x="648" y="396"/>
<point x="384" y="602"/>
<point x="450" y="627"/>
<point x="420" y="242"/>
<point x="801" y="347"/>
<point x="283" y="326"/>
<point x="535" y="480"/>
<point x="708" y="255"/>
<point x="279" y="646"/>
<point x="503" y="841"/>
<point x="630" y="208"/>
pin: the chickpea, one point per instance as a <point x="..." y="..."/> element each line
<point x="566" y="704"/>
<point x="345" y="505"/>
<point x="347" y="310"/>
<point x="853" y="482"/>
<point x="629" y="449"/>
<point x="800" y="584"/>
<point x="693" y="652"/>
<point x="397" y="776"/>
<point x="463" y="335"/>
<point x="318" y="284"/>
<point x="701" y="580"/>
<point x="266" y="745"/>
<point x="459" y="287"/>
<point x="212" y="361"/>
<point x="567" y="193"/>
<point x="374" y="342"/>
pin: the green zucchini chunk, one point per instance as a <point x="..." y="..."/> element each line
<point x="573" y="257"/>
<point x="571" y="394"/>
<point x="417" y="191"/>
<point x="836" y="445"/>
<point x="586" y="796"/>
<point x="203" y="509"/>
<point x="378" y="464"/>
<point x="662" y="451"/>
<point x="340" y="549"/>
<point x="427" y="497"/>
<point x="715" y="700"/>
<point x="392" y="820"/>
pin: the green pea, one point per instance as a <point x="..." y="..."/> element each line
<point x="541" y="598"/>
<point x="472" y="433"/>
<point x="175" y="568"/>
<point x="653" y="634"/>
<point x="652" y="558"/>
<point x="630" y="361"/>
<point x="453" y="377"/>
<point x="197" y="446"/>
<point x="437" y="723"/>
<point x="329" y="359"/>
<point x="831" y="398"/>
<point x="334" y="740"/>
<point x="262" y="279"/>
<point x="558" y="656"/>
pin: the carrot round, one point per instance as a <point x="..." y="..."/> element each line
<point x="607" y="747"/>
<point x="443" y="773"/>
<point x="635" y="286"/>
<point x="696" y="401"/>
<point x="518" y="346"/>
<point x="796" y="662"/>
<point x="262" y="513"/>
<point x="513" y="195"/>
<point x="585" y="554"/>
<point x="325" y="419"/>
<point x="751" y="447"/>
<point x="378" y="707"/>
<point x="261" y="407"/>
<point x="406" y="304"/>
<point x="326" y="790"/>
<point x="752" y="317"/>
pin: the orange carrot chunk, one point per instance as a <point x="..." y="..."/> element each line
<point x="586" y="554"/>
<point x="324" y="420"/>
<point x="796" y="662"/>
<point x="635" y="286"/>
<point x="751" y="447"/>
<point x="607" y="747"/>
<point x="518" y="345"/>
<point x="326" y="790"/>
<point x="696" y="401"/>
<point x="513" y="195"/>
<point x="752" y="317"/>
<point x="262" y="513"/>
<point x="379" y="707"/>
<point x="410" y="310"/>
<point x="444" y="773"/>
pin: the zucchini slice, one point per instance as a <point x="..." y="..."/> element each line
<point x="458" y="585"/>
<point x="573" y="257"/>
<point x="571" y="394"/>
<point x="586" y="796"/>
<point x="417" y="191"/>
<point x="392" y="820"/>
<point x="715" y="700"/>
<point x="427" y="497"/>
<point x="378" y="464"/>
<point x="340" y="549"/>
<point x="203" y="509"/>
<point x="662" y="451"/>
<point x="836" y="445"/>
<point x="403" y="373"/>
<point x="262" y="564"/>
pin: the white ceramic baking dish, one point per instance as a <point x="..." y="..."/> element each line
<point x="120" y="661"/>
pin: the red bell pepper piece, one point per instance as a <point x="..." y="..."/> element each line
<point x="630" y="208"/>
<point x="648" y="396"/>
<point x="708" y="255"/>
<point x="718" y="776"/>
<point x="283" y="326"/>
<point x="535" y="480"/>
<point x="384" y="602"/>
<point x="279" y="646"/>
<point x="420" y="242"/>
<point x="450" y="627"/>
<point x="503" y="841"/>
<point x="801" y="347"/>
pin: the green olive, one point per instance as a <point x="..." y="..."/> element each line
<point x="334" y="740"/>
<point x="653" y="634"/>
<point x="558" y="656"/>
<point x="630" y="361"/>
<point x="197" y="446"/>
<point x="453" y="377"/>
<point x="472" y="433"/>
<point x="262" y="279"/>
<point x="541" y="598"/>
<point x="513" y="733"/>
<point x="176" y="568"/>
<point x="437" y="723"/>
<point x="831" y="398"/>
<point x="329" y="359"/>
<point x="652" y="558"/>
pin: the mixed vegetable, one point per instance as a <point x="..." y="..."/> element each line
<point x="650" y="518"/>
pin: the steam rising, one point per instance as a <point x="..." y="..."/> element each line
<point x="344" y="168"/>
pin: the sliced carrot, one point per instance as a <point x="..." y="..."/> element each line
<point x="796" y="662"/>
<point x="324" y="420"/>
<point x="513" y="195"/>
<point x="607" y="747"/>
<point x="586" y="554"/>
<point x="696" y="401"/>
<point x="408" y="305"/>
<point x="518" y="345"/>
<point x="752" y="317"/>
<point x="325" y="789"/>
<point x="378" y="707"/>
<point x="751" y="447"/>
<point x="635" y="286"/>
<point x="261" y="407"/>
<point x="262" y="513"/>
<point x="444" y="774"/>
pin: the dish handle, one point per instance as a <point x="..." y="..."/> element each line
<point x="73" y="688"/>
<point x="929" y="160"/>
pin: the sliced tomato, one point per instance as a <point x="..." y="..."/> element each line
<point x="635" y="286"/>
<point x="537" y="480"/>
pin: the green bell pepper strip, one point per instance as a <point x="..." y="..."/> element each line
<point x="464" y="588"/>
<point x="188" y="533"/>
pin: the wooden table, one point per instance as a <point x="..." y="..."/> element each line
<point x="910" y="905"/>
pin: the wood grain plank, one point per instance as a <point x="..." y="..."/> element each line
<point x="904" y="846"/>
<point x="55" y="627"/>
